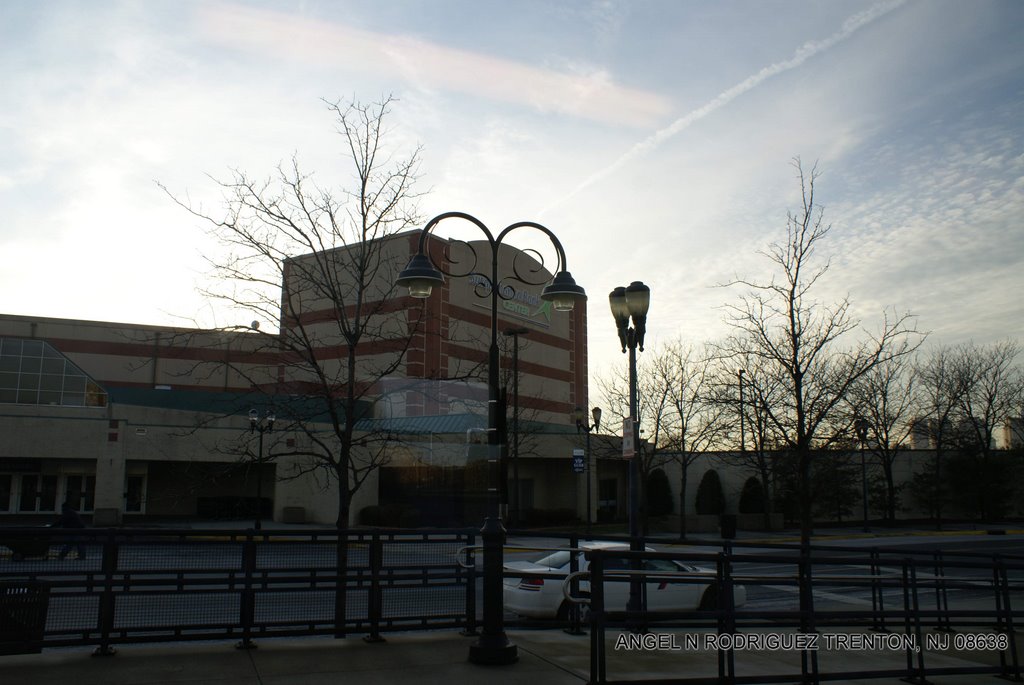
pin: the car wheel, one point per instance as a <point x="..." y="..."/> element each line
<point x="709" y="600"/>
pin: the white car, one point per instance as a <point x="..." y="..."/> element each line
<point x="537" y="593"/>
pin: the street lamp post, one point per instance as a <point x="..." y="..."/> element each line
<point x="583" y="424"/>
<point x="632" y="303"/>
<point x="420" y="275"/>
<point x="861" y="426"/>
<point x="514" y="333"/>
<point x="261" y="425"/>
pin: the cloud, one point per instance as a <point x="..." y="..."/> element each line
<point x="802" y="54"/>
<point x="593" y="95"/>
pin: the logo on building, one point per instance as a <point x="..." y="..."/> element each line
<point x="520" y="302"/>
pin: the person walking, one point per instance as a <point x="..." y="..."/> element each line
<point x="69" y="518"/>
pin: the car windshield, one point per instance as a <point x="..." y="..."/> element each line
<point x="554" y="560"/>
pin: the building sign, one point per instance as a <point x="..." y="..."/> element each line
<point x="628" y="451"/>
<point x="517" y="301"/>
<point x="579" y="464"/>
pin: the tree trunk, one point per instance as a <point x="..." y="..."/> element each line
<point x="682" y="501"/>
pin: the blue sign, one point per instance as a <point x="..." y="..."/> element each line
<point x="578" y="463"/>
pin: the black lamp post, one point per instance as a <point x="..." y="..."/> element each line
<point x="264" y="425"/>
<point x="514" y="333"/>
<point x="420" y="275"/>
<point x="861" y="425"/>
<point x="583" y="424"/>
<point x="632" y="303"/>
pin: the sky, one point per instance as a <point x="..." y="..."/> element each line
<point x="653" y="137"/>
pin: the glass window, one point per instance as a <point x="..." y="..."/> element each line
<point x="554" y="560"/>
<point x="10" y="346"/>
<point x="49" y="397"/>
<point x="6" y="481"/>
<point x="29" y="493"/>
<point x="31" y="348"/>
<point x="74" y="384"/>
<point x="48" y="494"/>
<point x="34" y="372"/>
<point x="79" y="491"/>
<point x="53" y="366"/>
<point x="135" y="488"/>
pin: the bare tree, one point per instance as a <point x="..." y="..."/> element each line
<point x="694" y="419"/>
<point x="990" y="390"/>
<point x="938" y="396"/>
<point x="989" y="387"/>
<point x="885" y="399"/>
<point x="802" y="341"/>
<point x="680" y="412"/>
<point x="757" y="437"/>
<point x="332" y="335"/>
<point x="653" y="410"/>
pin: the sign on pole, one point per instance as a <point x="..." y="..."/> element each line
<point x="628" y="451"/>
<point x="579" y="464"/>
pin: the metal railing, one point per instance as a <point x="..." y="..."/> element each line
<point x="170" y="585"/>
<point x="826" y="601"/>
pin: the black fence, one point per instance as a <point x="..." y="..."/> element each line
<point x="109" y="587"/>
<point x="916" y="611"/>
<point x="106" y="587"/>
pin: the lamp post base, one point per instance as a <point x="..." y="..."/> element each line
<point x="493" y="650"/>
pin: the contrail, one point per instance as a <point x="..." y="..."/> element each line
<point x="802" y="54"/>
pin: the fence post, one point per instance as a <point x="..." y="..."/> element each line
<point x="805" y="583"/>
<point x="941" y="595"/>
<point x="247" y="605"/>
<point x="598" y="665"/>
<point x="470" y="566"/>
<point x="574" y="627"/>
<point x="1005" y="621"/>
<point x="912" y="622"/>
<point x="107" y="600"/>
<point x="375" y="600"/>
<point x="877" y="598"/>
<point x="341" y="584"/>
<point x="725" y="619"/>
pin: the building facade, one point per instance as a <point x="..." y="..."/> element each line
<point x="130" y="421"/>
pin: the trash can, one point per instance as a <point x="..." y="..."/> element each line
<point x="23" y="607"/>
<point x="727" y="526"/>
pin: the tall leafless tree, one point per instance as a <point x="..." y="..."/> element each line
<point x="750" y="424"/>
<point x="331" y="336"/>
<point x="938" y="385"/>
<point x="989" y="387"/>
<point x="885" y="399"/>
<point x="696" y="420"/>
<point x="806" y="343"/>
